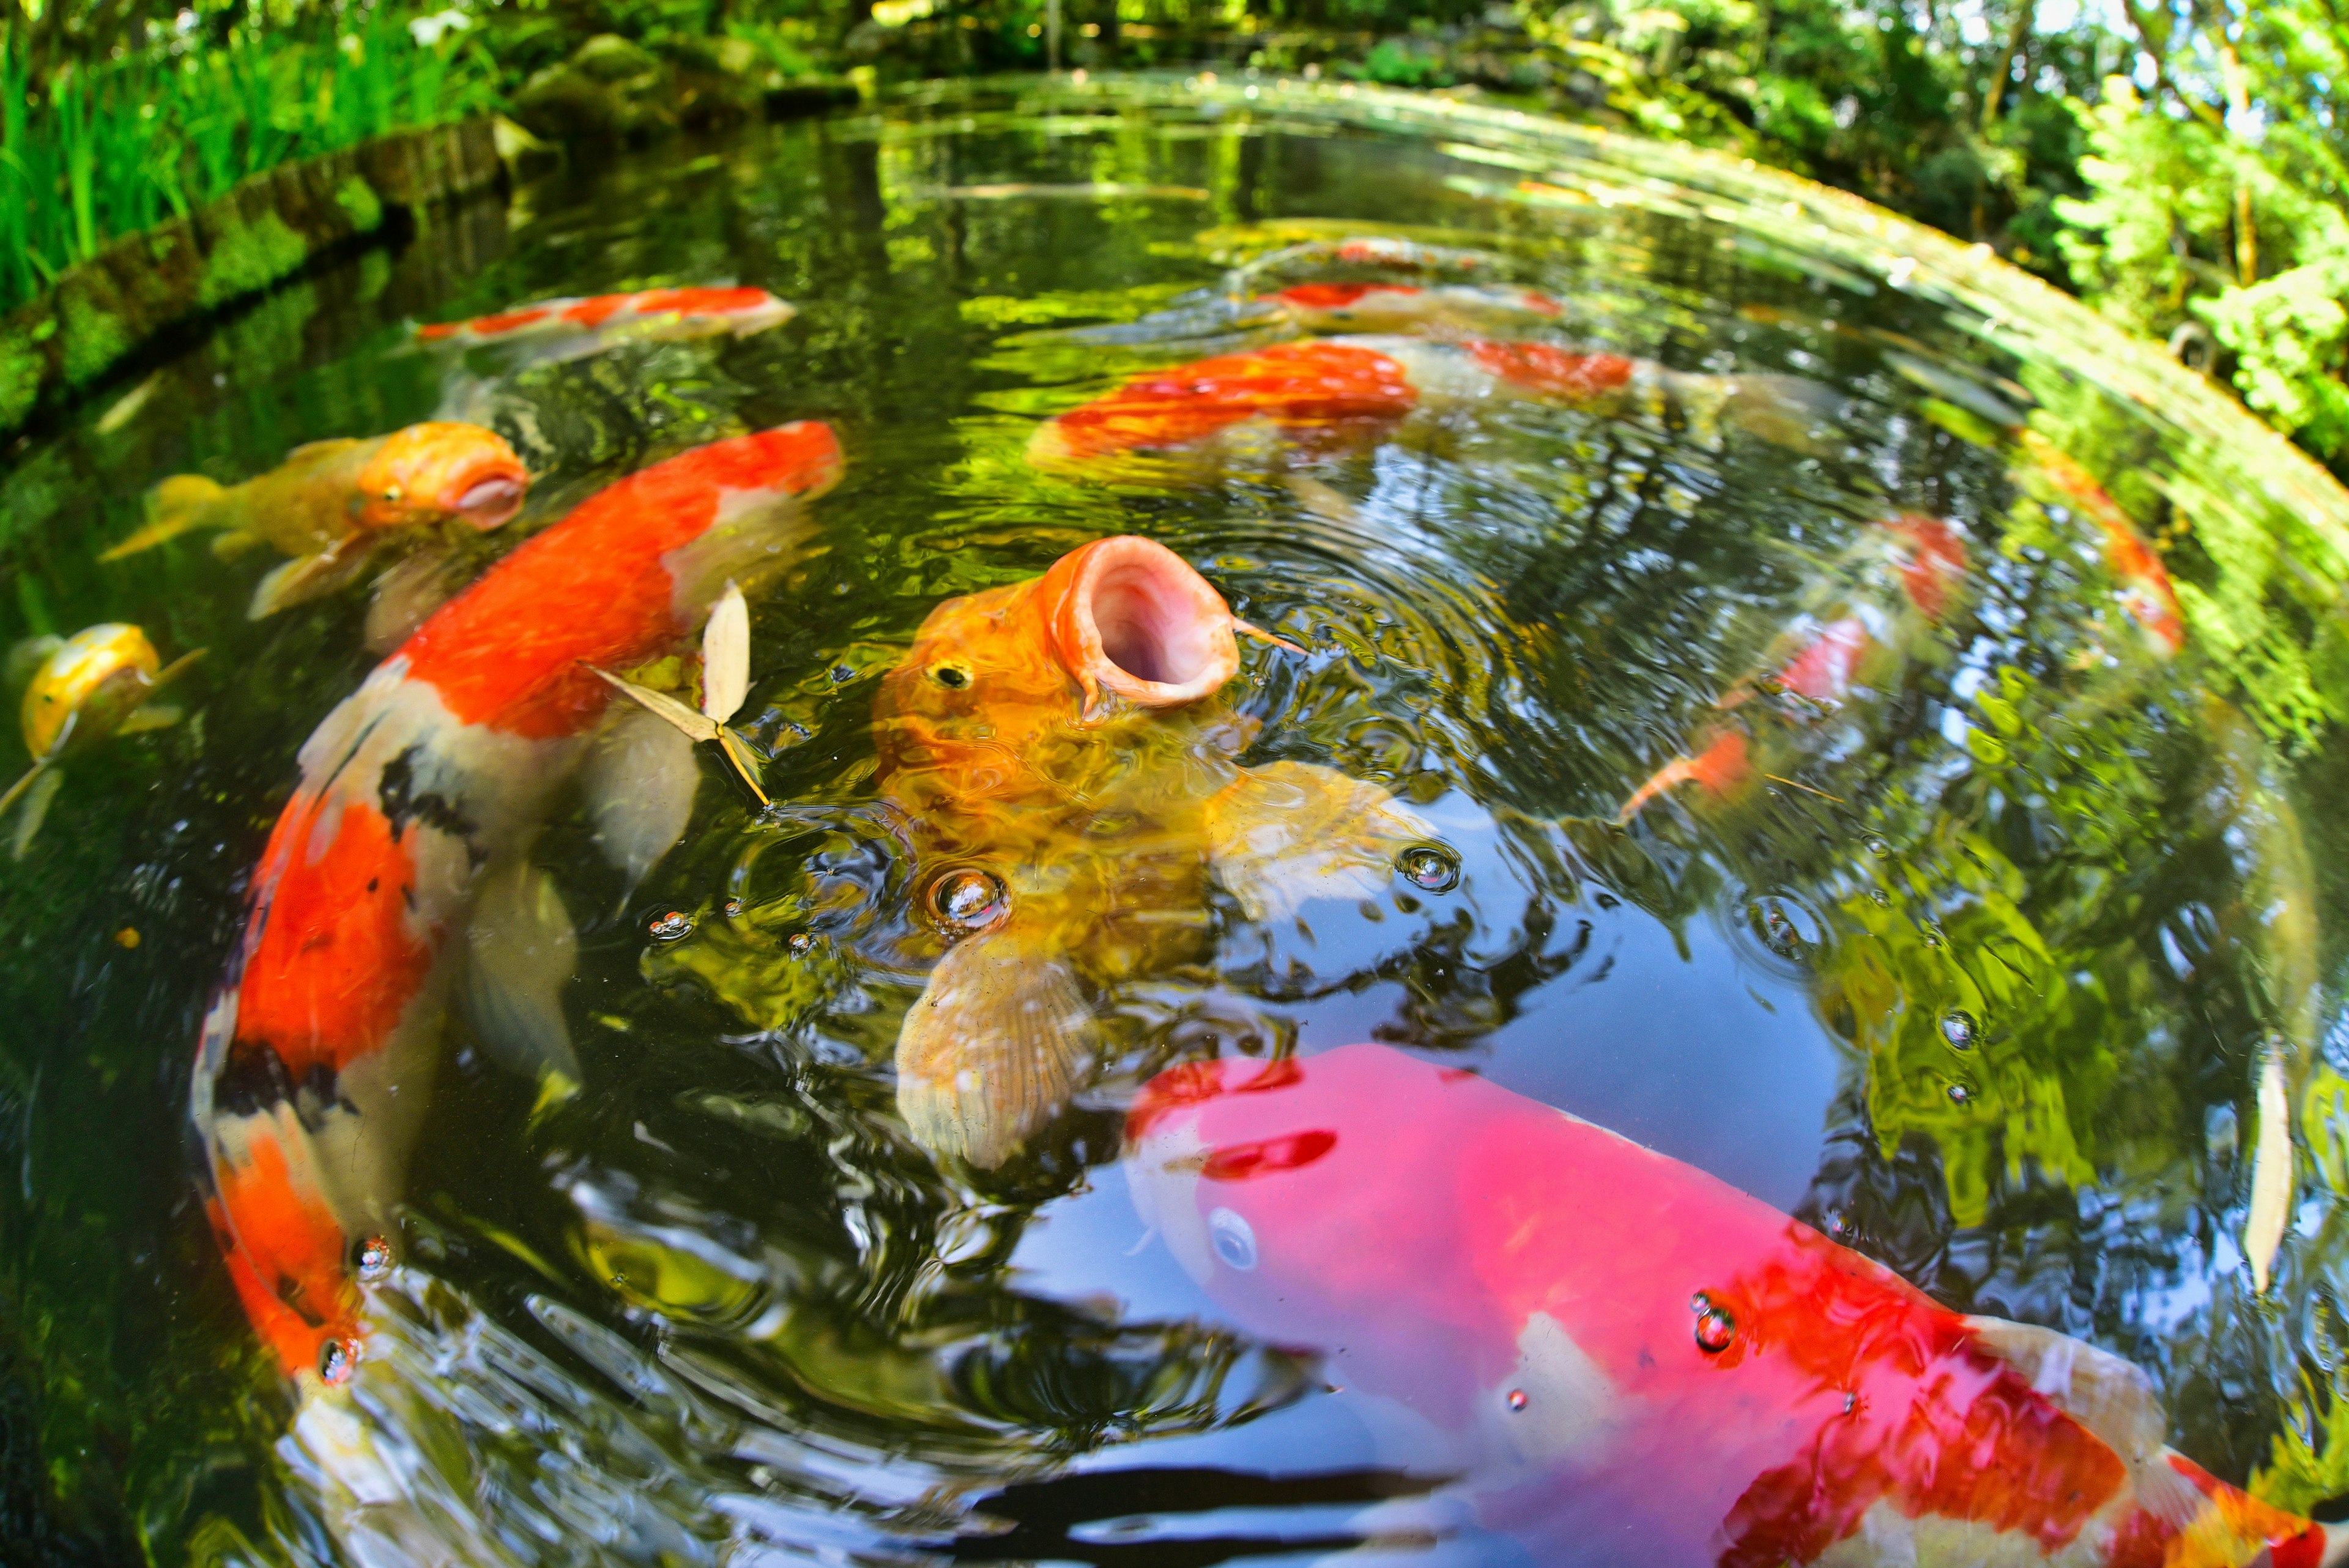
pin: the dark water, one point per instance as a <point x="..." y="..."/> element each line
<point x="719" y="1307"/>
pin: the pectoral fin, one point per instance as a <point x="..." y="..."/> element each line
<point x="991" y="1049"/>
<point x="1288" y="832"/>
<point x="639" y="781"/>
<point x="307" y="577"/>
<point x="520" y="953"/>
<point x="406" y="595"/>
<point x="45" y="783"/>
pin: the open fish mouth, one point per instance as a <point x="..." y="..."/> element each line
<point x="490" y="501"/>
<point x="1147" y="627"/>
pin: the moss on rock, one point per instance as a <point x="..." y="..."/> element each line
<point x="21" y="367"/>
<point x="359" y="204"/>
<point x="248" y="257"/>
<point x="95" y="339"/>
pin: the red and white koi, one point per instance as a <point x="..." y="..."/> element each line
<point x="1327" y="391"/>
<point x="1443" y="309"/>
<point x="1624" y="1360"/>
<point x="605" y="319"/>
<point x="398" y="877"/>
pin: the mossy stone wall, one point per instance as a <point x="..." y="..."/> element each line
<point x="268" y="227"/>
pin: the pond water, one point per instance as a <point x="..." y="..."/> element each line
<point x="1978" y="969"/>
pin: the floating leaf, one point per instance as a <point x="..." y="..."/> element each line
<point x="2270" y="1174"/>
<point x="700" y="726"/>
<point x="726" y="656"/>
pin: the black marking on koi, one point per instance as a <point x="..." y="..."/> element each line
<point x="403" y="803"/>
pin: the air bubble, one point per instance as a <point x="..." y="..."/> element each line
<point x="668" y="928"/>
<point x="1234" y="1239"/>
<point x="1714" y="1327"/>
<point x="338" y="1358"/>
<point x="1961" y="1096"/>
<point x="375" y="1258"/>
<point x="1517" y="1398"/>
<point x="969" y="901"/>
<point x="734" y="907"/>
<point x="1958" y="1028"/>
<point x="1878" y="848"/>
<point x="800" y="943"/>
<point x="1431" y="867"/>
<point x="1882" y="898"/>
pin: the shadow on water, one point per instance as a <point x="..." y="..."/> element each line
<point x="720" y="1307"/>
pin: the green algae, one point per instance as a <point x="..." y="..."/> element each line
<point x="249" y="258"/>
<point x="359" y="204"/>
<point x="21" y="365"/>
<point x="95" y="339"/>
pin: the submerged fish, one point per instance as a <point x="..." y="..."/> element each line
<point x="1337" y="391"/>
<point x="1627" y="1361"/>
<point x="580" y="326"/>
<point x="397" y="877"/>
<point x="92" y="685"/>
<point x="2146" y="594"/>
<point x="332" y="503"/>
<point x="1399" y="307"/>
<point x="1822" y="660"/>
<point x="1070" y="783"/>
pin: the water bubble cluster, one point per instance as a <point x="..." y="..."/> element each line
<point x="671" y="927"/>
<point x="1431" y="867"/>
<point x="800" y="942"/>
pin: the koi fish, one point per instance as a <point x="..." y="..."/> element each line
<point x="1335" y="391"/>
<point x="331" y="504"/>
<point x="594" y="324"/>
<point x="97" y="683"/>
<point x="1381" y="253"/>
<point x="1823" y="661"/>
<point x="397" y="878"/>
<point x="1399" y="307"/>
<point x="1626" y="1360"/>
<point x="1070" y="783"/>
<point x="2146" y="594"/>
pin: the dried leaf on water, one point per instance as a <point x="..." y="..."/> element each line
<point x="700" y="726"/>
<point x="726" y="656"/>
<point x="2270" y="1174"/>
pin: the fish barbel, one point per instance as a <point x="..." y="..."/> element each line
<point x="1334" y="392"/>
<point x="1627" y="1361"/>
<point x="397" y="878"/>
<point x="1069" y="781"/>
<point x="331" y="503"/>
<point x="604" y="318"/>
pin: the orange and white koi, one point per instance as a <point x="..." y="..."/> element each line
<point x="1823" y="661"/>
<point x="332" y="503"/>
<point x="397" y="878"/>
<point x="1624" y="1360"/>
<point x="1069" y="778"/>
<point x="596" y="322"/>
<point x="1337" y="391"/>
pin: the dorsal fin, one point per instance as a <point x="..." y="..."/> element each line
<point x="2110" y="1397"/>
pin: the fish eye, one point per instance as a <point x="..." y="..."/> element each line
<point x="1234" y="1239"/>
<point x="393" y="493"/>
<point x="950" y="675"/>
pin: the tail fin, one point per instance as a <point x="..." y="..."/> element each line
<point x="174" y="507"/>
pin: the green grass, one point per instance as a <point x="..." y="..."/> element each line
<point x="96" y="151"/>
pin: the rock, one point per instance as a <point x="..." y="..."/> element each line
<point x="608" y="57"/>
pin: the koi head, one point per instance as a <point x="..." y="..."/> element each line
<point x="439" y="473"/>
<point x="1121" y="626"/>
<point x="91" y="682"/>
